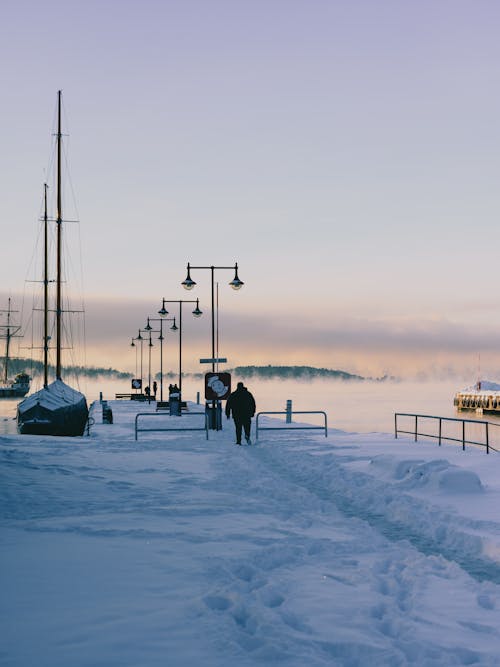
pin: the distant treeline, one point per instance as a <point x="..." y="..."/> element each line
<point x="32" y="367"/>
<point x="294" y="372"/>
<point x="284" y="372"/>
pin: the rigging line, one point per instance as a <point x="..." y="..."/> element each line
<point x="74" y="270"/>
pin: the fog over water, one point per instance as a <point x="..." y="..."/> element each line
<point x="364" y="406"/>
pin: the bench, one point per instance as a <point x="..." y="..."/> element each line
<point x="134" y="397"/>
<point x="165" y="405"/>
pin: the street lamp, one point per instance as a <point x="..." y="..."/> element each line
<point x="235" y="283"/>
<point x="161" y="339"/>
<point x="196" y="313"/>
<point x="132" y="344"/>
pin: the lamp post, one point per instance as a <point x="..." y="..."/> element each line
<point x="132" y="344"/>
<point x="160" y="338"/>
<point x="196" y="313"/>
<point x="236" y="284"/>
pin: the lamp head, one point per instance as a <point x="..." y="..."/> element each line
<point x="148" y="327"/>
<point x="197" y="312"/>
<point x="236" y="283"/>
<point x="139" y="337"/>
<point x="132" y="344"/>
<point x="188" y="283"/>
<point x="163" y="311"/>
<point x="174" y="327"/>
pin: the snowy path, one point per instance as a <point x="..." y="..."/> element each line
<point x="301" y="550"/>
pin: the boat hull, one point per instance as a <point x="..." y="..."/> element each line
<point x="10" y="392"/>
<point x="476" y="401"/>
<point x="55" y="410"/>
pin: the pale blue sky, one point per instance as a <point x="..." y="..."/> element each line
<point x="345" y="153"/>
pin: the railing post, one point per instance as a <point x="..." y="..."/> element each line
<point x="289" y="411"/>
<point x="416" y="427"/>
<point x="440" y="425"/>
<point x="396" y="425"/>
<point x="463" y="435"/>
<point x="487" y="439"/>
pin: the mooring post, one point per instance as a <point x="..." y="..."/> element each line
<point x="289" y="411"/>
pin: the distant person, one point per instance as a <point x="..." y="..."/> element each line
<point x="147" y="391"/>
<point x="242" y="404"/>
<point x="155" y="387"/>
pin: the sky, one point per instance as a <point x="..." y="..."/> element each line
<point x="350" y="550"/>
<point x="345" y="154"/>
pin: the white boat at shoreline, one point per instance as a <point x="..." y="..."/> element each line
<point x="20" y="385"/>
<point x="484" y="396"/>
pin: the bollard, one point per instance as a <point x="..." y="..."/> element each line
<point x="289" y="411"/>
<point x="197" y="398"/>
<point x="100" y="397"/>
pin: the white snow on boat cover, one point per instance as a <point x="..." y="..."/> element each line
<point x="485" y="386"/>
<point x="56" y="395"/>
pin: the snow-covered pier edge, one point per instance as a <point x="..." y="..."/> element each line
<point x="300" y="549"/>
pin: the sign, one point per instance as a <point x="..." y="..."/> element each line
<point x="217" y="386"/>
<point x="136" y="383"/>
<point x="221" y="360"/>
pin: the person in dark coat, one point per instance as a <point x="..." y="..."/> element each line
<point x="242" y="404"/>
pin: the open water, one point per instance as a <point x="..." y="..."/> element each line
<point x="367" y="406"/>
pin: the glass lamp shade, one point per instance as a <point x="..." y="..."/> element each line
<point x="197" y="312"/>
<point x="188" y="283"/>
<point x="163" y="311"/>
<point x="236" y="283"/>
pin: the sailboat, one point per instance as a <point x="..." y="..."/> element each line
<point x="20" y="385"/>
<point x="57" y="408"/>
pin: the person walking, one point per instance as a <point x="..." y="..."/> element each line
<point x="242" y="404"/>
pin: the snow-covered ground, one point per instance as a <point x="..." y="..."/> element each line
<point x="300" y="550"/>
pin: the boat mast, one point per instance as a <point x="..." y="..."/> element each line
<point x="45" y="293"/>
<point x="59" y="240"/>
<point x="11" y="331"/>
<point x="7" y="345"/>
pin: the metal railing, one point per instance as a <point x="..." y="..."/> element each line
<point x="170" y="428"/>
<point x="440" y="437"/>
<point x="292" y="428"/>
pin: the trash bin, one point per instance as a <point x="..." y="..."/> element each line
<point x="107" y="413"/>
<point x="174" y="404"/>
<point x="214" y="415"/>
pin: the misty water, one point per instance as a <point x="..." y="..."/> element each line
<point x="366" y="406"/>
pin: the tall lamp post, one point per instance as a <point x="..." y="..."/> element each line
<point x="132" y="344"/>
<point x="236" y="284"/>
<point x="196" y="312"/>
<point x="149" y="328"/>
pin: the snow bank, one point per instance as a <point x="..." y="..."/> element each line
<point x="174" y="550"/>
